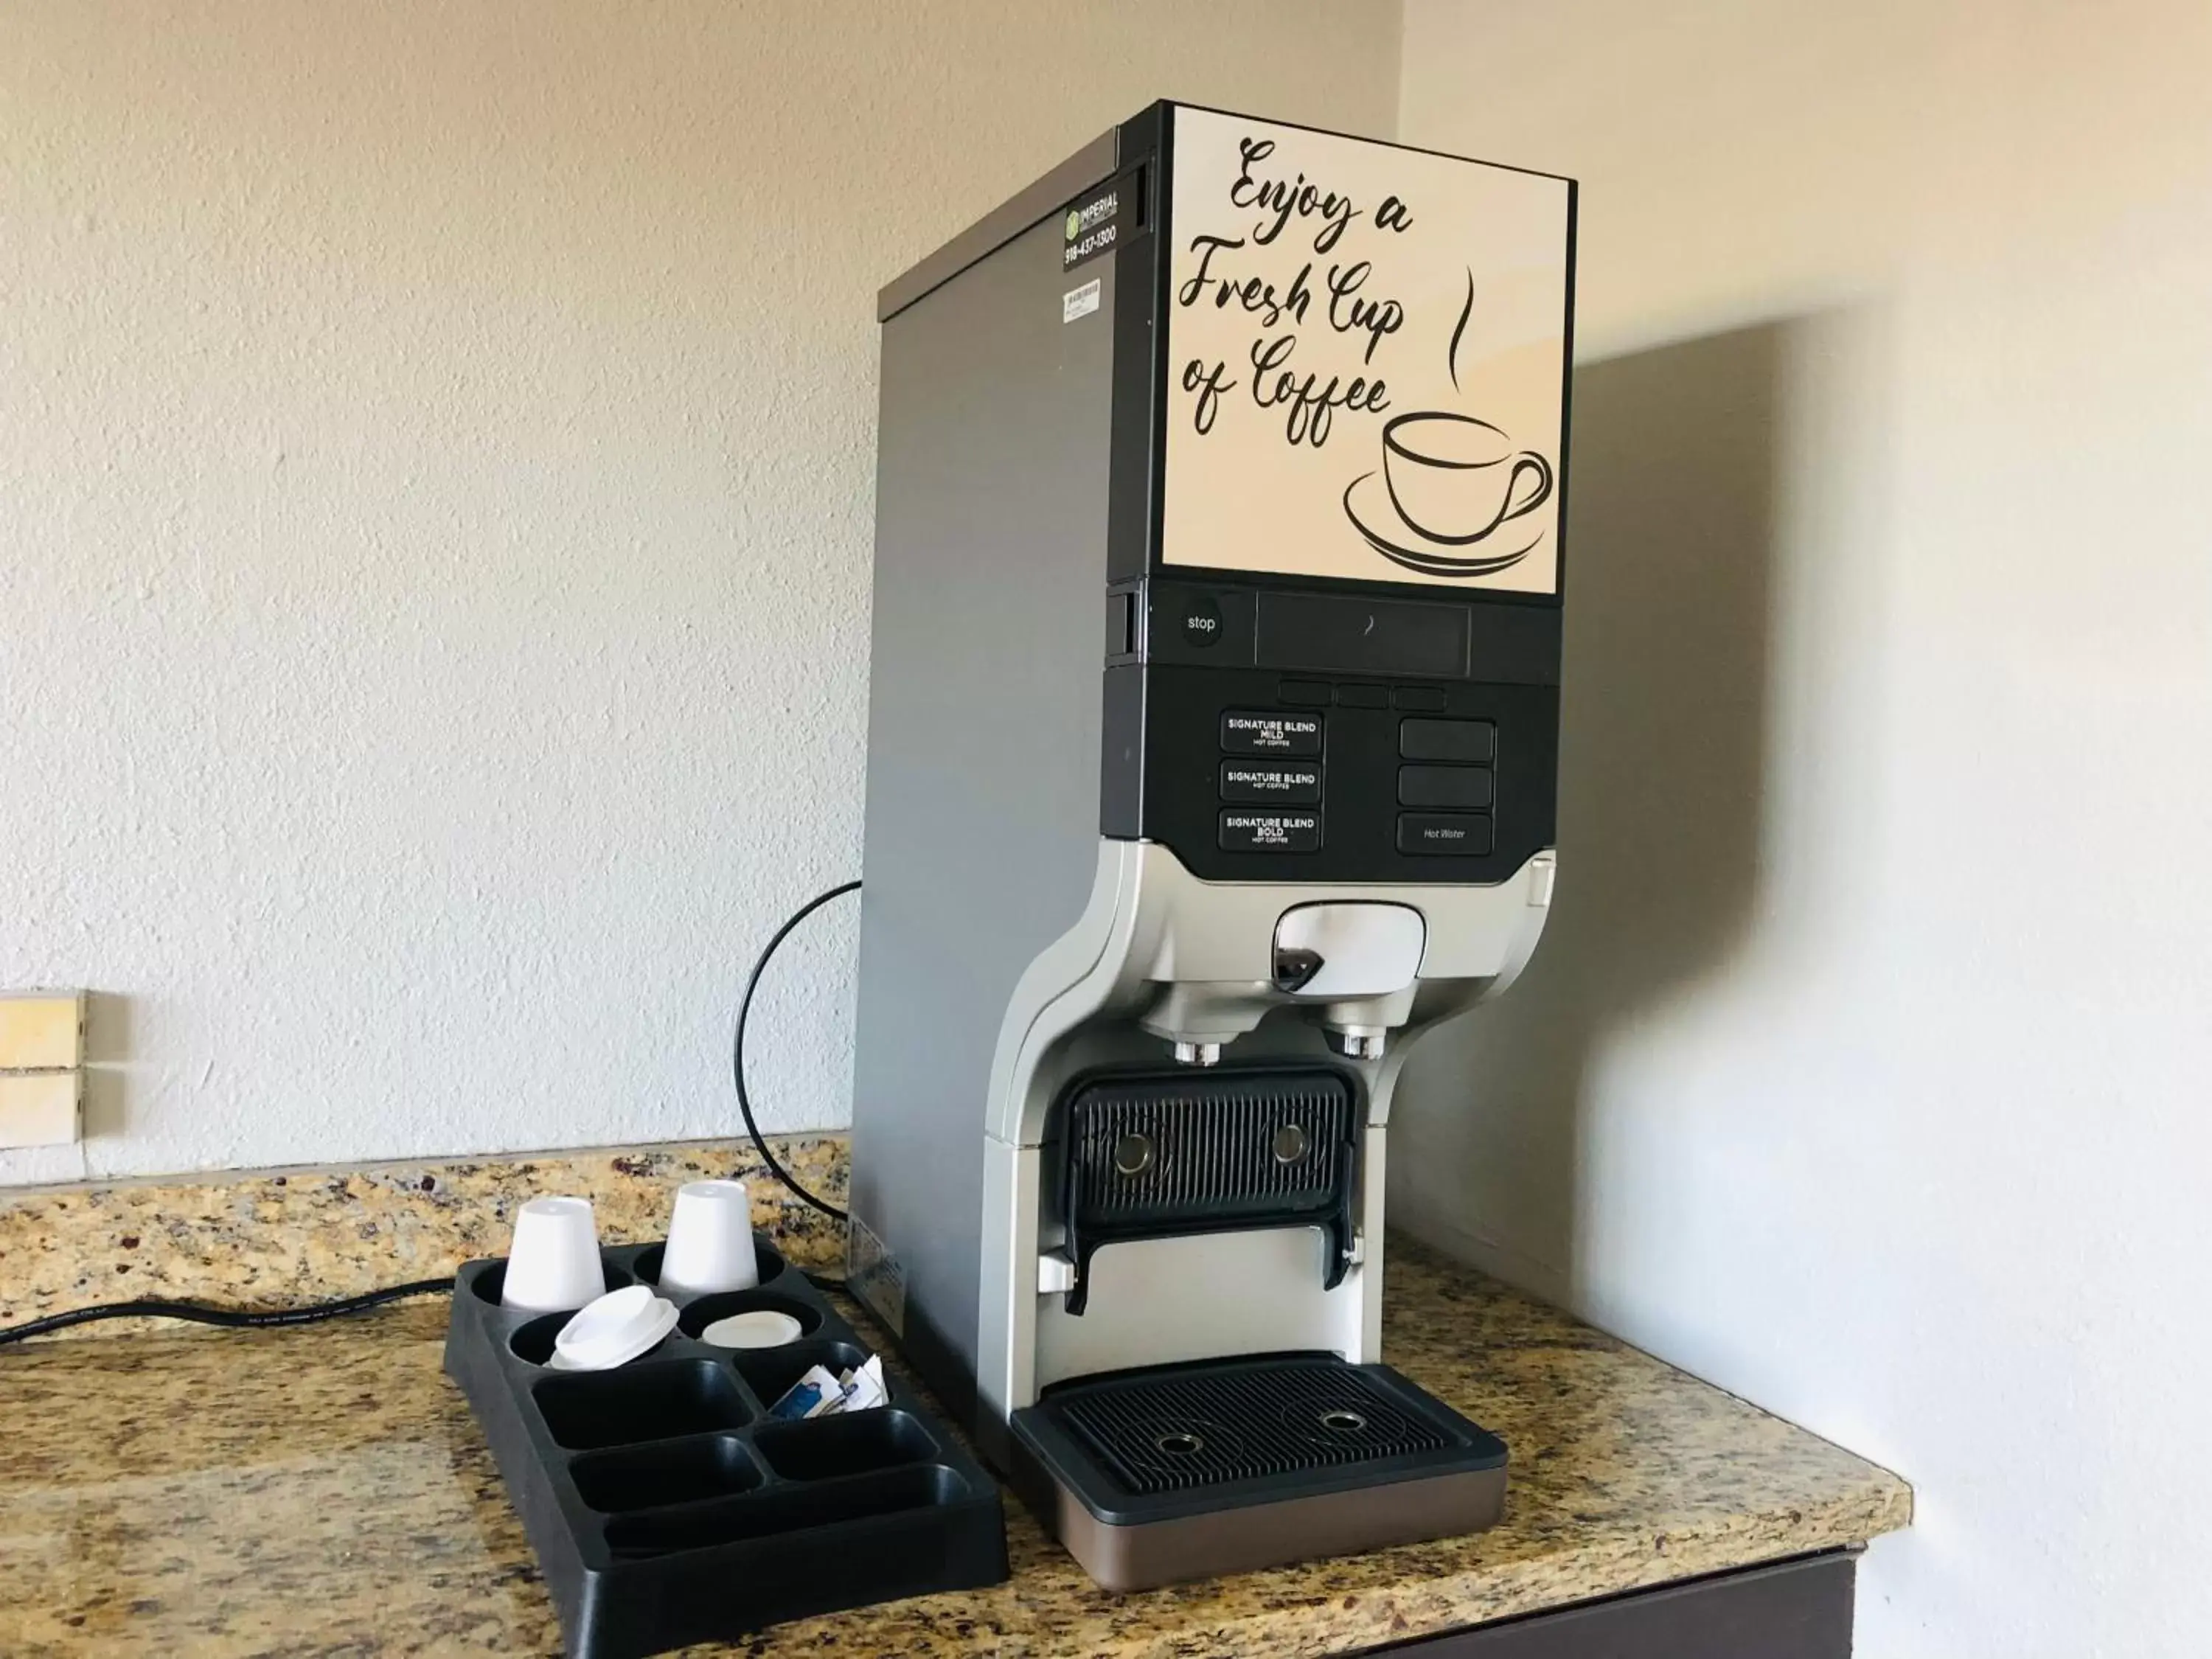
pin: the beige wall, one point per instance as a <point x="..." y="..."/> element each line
<point x="1863" y="1070"/>
<point x="435" y="456"/>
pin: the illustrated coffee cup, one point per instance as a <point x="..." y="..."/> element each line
<point x="1454" y="479"/>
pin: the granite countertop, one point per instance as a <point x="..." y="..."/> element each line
<point x="324" y="1490"/>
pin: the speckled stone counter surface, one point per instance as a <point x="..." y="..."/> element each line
<point x="272" y="1238"/>
<point x="324" y="1490"/>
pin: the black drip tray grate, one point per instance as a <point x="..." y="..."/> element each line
<point x="1178" y="1472"/>
<point x="1178" y="1431"/>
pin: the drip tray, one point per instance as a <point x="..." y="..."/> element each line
<point x="1179" y="1472"/>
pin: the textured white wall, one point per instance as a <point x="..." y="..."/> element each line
<point x="435" y="461"/>
<point x="1863" y="1070"/>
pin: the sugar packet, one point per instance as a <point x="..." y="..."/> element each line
<point x="818" y="1393"/>
<point x="863" y="1387"/>
<point x="806" y="1398"/>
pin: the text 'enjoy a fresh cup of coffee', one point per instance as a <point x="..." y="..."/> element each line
<point x="710" y="1240"/>
<point x="553" y="1265"/>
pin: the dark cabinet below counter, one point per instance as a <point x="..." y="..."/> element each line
<point x="1799" y="1609"/>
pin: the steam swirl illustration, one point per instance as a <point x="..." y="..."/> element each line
<point x="1450" y="481"/>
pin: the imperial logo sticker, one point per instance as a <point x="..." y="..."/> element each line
<point x="1090" y="229"/>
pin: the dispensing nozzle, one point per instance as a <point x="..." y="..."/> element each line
<point x="1360" y="960"/>
<point x="1198" y="1021"/>
<point x="1357" y="1042"/>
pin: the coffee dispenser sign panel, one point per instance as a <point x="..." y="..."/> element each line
<point x="1367" y="360"/>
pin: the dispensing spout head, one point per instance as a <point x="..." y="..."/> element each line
<point x="1198" y="1021"/>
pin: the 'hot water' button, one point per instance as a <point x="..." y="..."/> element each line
<point x="1452" y="834"/>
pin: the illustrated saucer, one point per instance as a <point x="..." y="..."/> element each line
<point x="1376" y="517"/>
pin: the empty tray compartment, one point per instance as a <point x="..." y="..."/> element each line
<point x="784" y="1510"/>
<point x="663" y="1473"/>
<point x="848" y="1444"/>
<point x="650" y="1399"/>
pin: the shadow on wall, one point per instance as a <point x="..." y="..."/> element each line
<point x="1665" y="723"/>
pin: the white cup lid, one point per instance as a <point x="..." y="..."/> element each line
<point x="605" y="1327"/>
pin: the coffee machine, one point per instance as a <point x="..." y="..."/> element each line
<point x="1212" y="760"/>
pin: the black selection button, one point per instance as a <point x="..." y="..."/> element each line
<point x="1246" y="830"/>
<point x="1363" y="696"/>
<point x="1421" y="699"/>
<point x="1314" y="693"/>
<point x="1258" y="733"/>
<point x="1443" y="833"/>
<point x="1444" y="785"/>
<point x="1291" y="783"/>
<point x="1201" y="621"/>
<point x="1463" y="741"/>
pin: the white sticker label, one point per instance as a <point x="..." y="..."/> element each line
<point x="1079" y="301"/>
<point x="875" y="1275"/>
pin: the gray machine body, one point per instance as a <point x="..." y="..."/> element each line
<point x="983" y="733"/>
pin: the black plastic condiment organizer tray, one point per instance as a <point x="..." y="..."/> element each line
<point x="667" y="1507"/>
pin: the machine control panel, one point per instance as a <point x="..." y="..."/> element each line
<point x="1266" y="735"/>
<point x="1329" y="636"/>
<point x="1455" y="773"/>
<point x="1284" y="783"/>
<point x="1447" y="775"/>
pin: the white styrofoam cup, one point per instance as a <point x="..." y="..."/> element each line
<point x="553" y="1264"/>
<point x="710" y="1240"/>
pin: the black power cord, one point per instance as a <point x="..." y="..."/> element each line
<point x="245" y="1319"/>
<point x="234" y="1318"/>
<point x="738" y="1047"/>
